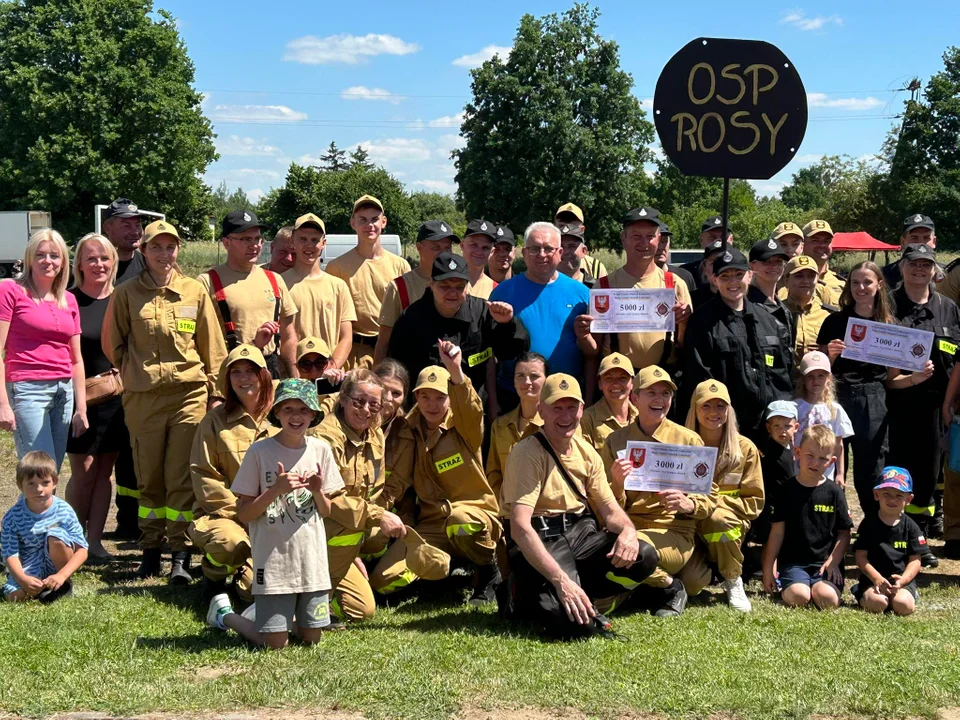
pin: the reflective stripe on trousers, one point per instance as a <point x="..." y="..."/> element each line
<point x="731" y="535"/>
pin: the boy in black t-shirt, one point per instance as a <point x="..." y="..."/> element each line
<point x="811" y="529"/>
<point x="777" y="461"/>
<point x="888" y="548"/>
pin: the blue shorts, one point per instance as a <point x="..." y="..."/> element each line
<point x="808" y="575"/>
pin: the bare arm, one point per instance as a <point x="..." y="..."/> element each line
<point x="288" y="346"/>
<point x="342" y="351"/>
<point x="770" y="552"/>
<point x="7" y="419"/>
<point x="383" y="343"/>
<point x="78" y="373"/>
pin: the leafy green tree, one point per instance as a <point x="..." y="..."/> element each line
<point x="97" y="101"/>
<point x="360" y="157"/>
<point x="554" y="122"/>
<point x="334" y="159"/>
<point x="224" y="201"/>
<point x="437" y="206"/>
<point x="807" y="189"/>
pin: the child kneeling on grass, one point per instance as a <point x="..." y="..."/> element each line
<point x="810" y="529"/>
<point x="41" y="539"/>
<point x="283" y="487"/>
<point x="888" y="548"/>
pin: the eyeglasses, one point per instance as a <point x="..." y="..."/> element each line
<point x="305" y="365"/>
<point x="374" y="407"/>
<point x="540" y="250"/>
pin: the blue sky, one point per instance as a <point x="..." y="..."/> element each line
<point x="283" y="79"/>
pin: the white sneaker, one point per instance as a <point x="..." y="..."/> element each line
<point x="250" y="613"/>
<point x="219" y="606"/>
<point x="736" y="596"/>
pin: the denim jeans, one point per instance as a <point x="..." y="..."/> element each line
<point x="43" y="410"/>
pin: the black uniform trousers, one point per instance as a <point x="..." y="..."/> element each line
<point x="128" y="496"/>
<point x="866" y="405"/>
<point x="915" y="431"/>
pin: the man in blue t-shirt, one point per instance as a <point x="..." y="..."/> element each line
<point x="547" y="303"/>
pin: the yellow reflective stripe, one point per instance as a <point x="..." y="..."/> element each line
<point x="939" y="486"/>
<point x="919" y="510"/>
<point x="730" y="493"/>
<point x="228" y="568"/>
<point x="948" y="347"/>
<point x="731" y="535"/>
<point x="374" y="556"/>
<point x="469" y="528"/>
<point x="147" y="513"/>
<point x="480" y="357"/>
<point x="405" y="579"/>
<point x="179" y="515"/>
<point x="624" y="581"/>
<point x="346" y="540"/>
<point x="128" y="492"/>
<point x="337" y="610"/>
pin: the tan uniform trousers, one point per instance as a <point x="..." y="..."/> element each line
<point x="352" y="595"/>
<point x="361" y="356"/>
<point x="162" y="426"/>
<point x="951" y="502"/>
<point x="674" y="548"/>
<point x="225" y="547"/>
<point x="468" y="532"/>
<point x="722" y="535"/>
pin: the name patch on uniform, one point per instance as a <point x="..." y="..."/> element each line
<point x="900" y="544"/>
<point x="768" y="359"/>
<point x="823" y="508"/>
<point x="185" y="325"/>
<point x="480" y="357"/>
<point x="449" y="463"/>
<point x="948" y="347"/>
<point x="188" y="311"/>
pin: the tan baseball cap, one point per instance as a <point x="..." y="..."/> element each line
<point x="786" y="228"/>
<point x="158" y="228"/>
<point x="424" y="560"/>
<point x="572" y="209"/>
<point x="310" y="219"/>
<point x="802" y="262"/>
<point x="433" y="377"/>
<point x="559" y="386"/>
<point x="367" y="200"/>
<point x="312" y="345"/>
<point x="616" y="361"/>
<point x="816" y="226"/>
<point x="710" y="390"/>
<point x="651" y="375"/>
<point x="245" y="351"/>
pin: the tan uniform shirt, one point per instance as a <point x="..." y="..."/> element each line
<point x="646" y="348"/>
<point x="392" y="307"/>
<point x="323" y="301"/>
<point x="221" y="442"/>
<point x="368" y="281"/>
<point x="644" y="508"/>
<point x="741" y="486"/>
<point x="251" y="301"/>
<point x="506" y="431"/>
<point x="834" y="287"/>
<point x="399" y="450"/>
<point x="598" y="422"/>
<point x="807" y="321"/>
<point x="532" y="478"/>
<point x="950" y="285"/>
<point x="483" y="287"/>
<point x="164" y="337"/>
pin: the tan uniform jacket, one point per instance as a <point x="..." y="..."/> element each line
<point x="221" y="442"/>
<point x="392" y="307"/>
<point x="368" y="281"/>
<point x="807" y="322"/>
<point x="645" y="508"/>
<point x="833" y="284"/>
<point x="483" y="287"/>
<point x="741" y="487"/>
<point x="598" y="422"/>
<point x="504" y="434"/>
<point x="400" y="447"/>
<point x="163" y="337"/>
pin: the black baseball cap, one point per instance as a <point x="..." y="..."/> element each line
<point x="482" y="227"/>
<point x="436" y="230"/>
<point x="767" y="249"/>
<point x="237" y="221"/>
<point x="574" y="230"/>
<point x="665" y="230"/>
<point x="642" y="214"/>
<point x="121" y="208"/>
<point x="919" y="220"/>
<point x="713" y="248"/>
<point x="714" y="222"/>
<point x="732" y="259"/>
<point x="505" y="234"/>
<point x="919" y="251"/>
<point x="447" y="266"/>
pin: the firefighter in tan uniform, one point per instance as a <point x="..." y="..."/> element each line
<point x="667" y="520"/>
<point x="354" y="434"/>
<point x="614" y="410"/>
<point x="740" y="499"/>
<point x="221" y="441"/>
<point x="367" y="270"/>
<point x="804" y="304"/>
<point x="324" y="304"/>
<point x="458" y="510"/>
<point x="161" y="331"/>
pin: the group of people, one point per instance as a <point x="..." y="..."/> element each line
<point x="324" y="433"/>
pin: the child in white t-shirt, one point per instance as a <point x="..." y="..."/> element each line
<point x="817" y="405"/>
<point x="282" y="488"/>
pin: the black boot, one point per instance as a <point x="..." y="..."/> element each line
<point x="486" y="578"/>
<point x="673" y="600"/>
<point x="951" y="548"/>
<point x="149" y="564"/>
<point x="927" y="558"/>
<point x="935" y="530"/>
<point x="180" y="569"/>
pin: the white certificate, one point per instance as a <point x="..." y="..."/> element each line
<point x="658" y="466"/>
<point x="632" y="310"/>
<point x="885" y="344"/>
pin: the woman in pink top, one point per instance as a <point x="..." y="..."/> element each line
<point x="41" y="376"/>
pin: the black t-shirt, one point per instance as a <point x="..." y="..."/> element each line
<point x="889" y="548"/>
<point x="127" y="269"/>
<point x="92" y="312"/>
<point x="778" y="467"/>
<point x="813" y="518"/>
<point x="846" y="371"/>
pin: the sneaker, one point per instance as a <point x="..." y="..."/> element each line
<point x="48" y="596"/>
<point x="736" y="596"/>
<point x="219" y="606"/>
<point x="674" y="600"/>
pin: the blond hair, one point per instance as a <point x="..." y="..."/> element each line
<point x="59" y="288"/>
<point x="105" y="245"/>
<point x="829" y="397"/>
<point x="821" y="435"/>
<point x="729" y="454"/>
<point x="36" y="464"/>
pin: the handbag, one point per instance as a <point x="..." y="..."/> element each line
<point x="103" y="387"/>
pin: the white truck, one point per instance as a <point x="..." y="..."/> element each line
<point x="16" y="227"/>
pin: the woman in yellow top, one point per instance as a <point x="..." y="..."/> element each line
<point x="162" y="332"/>
<point x="614" y="410"/>
<point x="529" y="374"/>
<point x="354" y="434"/>
<point x="220" y="443"/>
<point x="740" y="500"/>
<point x="458" y="510"/>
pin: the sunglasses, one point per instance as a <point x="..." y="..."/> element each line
<point x="305" y="365"/>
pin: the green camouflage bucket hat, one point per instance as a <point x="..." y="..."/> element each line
<point x="296" y="389"/>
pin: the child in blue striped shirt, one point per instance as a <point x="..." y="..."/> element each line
<point x="41" y="541"/>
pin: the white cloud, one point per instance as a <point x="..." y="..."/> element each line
<point x="255" y="195"/>
<point x="245" y="147"/>
<point x="255" y="113"/>
<point x="820" y="100"/>
<point x="808" y="158"/>
<point x="359" y="92"/>
<point x="448" y="143"/>
<point x="441" y="186"/>
<point x="345" y="48"/>
<point x="241" y="175"/>
<point x="450" y="121"/>
<point x="799" y="20"/>
<point x="647" y="105"/>
<point x="769" y="188"/>
<point x="479" y="58"/>
<point x="391" y="151"/>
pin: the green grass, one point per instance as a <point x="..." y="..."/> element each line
<point x="198" y="257"/>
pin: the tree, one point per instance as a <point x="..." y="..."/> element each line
<point x="224" y="201"/>
<point x="553" y="122"/>
<point x="97" y="103"/>
<point x="807" y="189"/>
<point x="360" y="157"/>
<point x="437" y="206"/>
<point x="334" y="159"/>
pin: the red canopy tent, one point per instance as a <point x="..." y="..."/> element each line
<point x="860" y="242"/>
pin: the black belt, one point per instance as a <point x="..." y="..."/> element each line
<point x="550" y="527"/>
<point x="368" y="340"/>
